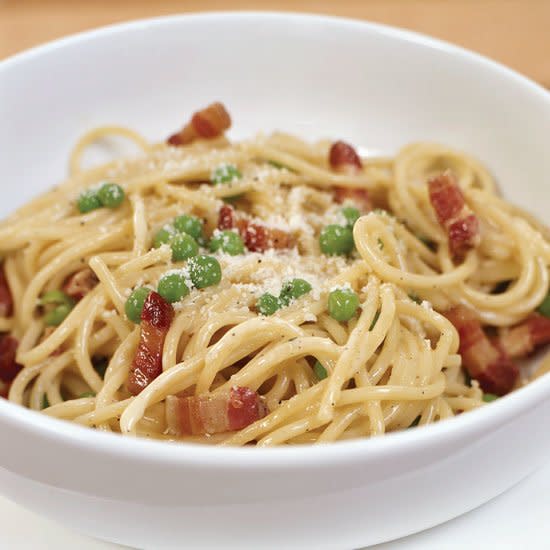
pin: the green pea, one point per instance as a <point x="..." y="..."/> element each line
<point x="172" y="287"/>
<point x="56" y="316"/>
<point x="190" y="225"/>
<point x="111" y="195"/>
<point x="134" y="304"/>
<point x="183" y="247"/>
<point x="87" y="394"/>
<point x="320" y="371"/>
<point x="336" y="240"/>
<point x="45" y="403"/>
<point x="488" y="397"/>
<point x="342" y="304"/>
<point x="227" y="241"/>
<point x="163" y="236"/>
<point x="267" y="304"/>
<point x="294" y="289"/>
<point x="88" y="201"/>
<point x="100" y="365"/>
<point x="544" y="307"/>
<point x="351" y="215"/>
<point x="55" y="297"/>
<point x="204" y="271"/>
<point x="225" y="173"/>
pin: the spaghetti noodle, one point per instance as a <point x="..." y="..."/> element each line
<point x="269" y="291"/>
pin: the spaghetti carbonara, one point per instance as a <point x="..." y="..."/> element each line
<point x="268" y="291"/>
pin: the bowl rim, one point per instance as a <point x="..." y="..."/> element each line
<point x="476" y="422"/>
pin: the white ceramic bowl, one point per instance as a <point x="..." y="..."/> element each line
<point x="315" y="76"/>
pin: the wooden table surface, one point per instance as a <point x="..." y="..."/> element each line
<point x="515" y="32"/>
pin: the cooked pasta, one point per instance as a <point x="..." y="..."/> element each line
<point x="269" y="291"/>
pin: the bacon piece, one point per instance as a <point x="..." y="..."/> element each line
<point x="207" y="123"/>
<point x="446" y="197"/>
<point x="522" y="339"/>
<point x="9" y="368"/>
<point x="80" y="283"/>
<point x="463" y="234"/>
<point x="156" y="317"/>
<point x="6" y="301"/>
<point x="256" y="237"/>
<point x="209" y="414"/>
<point x="343" y="158"/>
<point x="226" y="217"/>
<point x="484" y="360"/>
<point x="453" y="214"/>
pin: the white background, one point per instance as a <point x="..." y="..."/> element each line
<point x="519" y="518"/>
